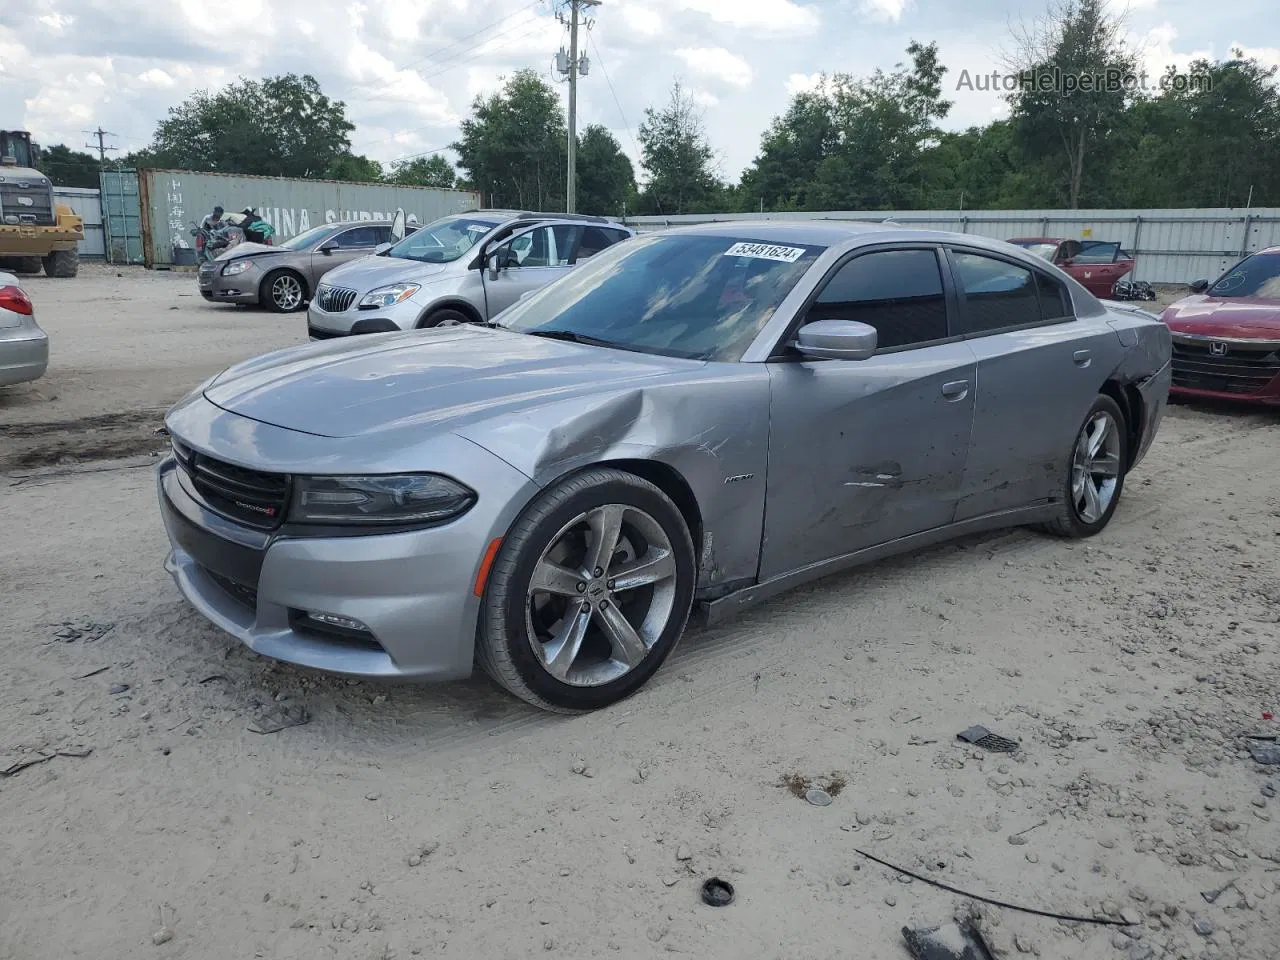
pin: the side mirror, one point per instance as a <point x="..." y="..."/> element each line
<point x="499" y="260"/>
<point x="381" y="249"/>
<point x="328" y="247"/>
<point x="837" y="340"/>
<point x="1199" y="286"/>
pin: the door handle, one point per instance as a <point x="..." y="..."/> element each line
<point x="955" y="390"/>
<point x="1082" y="358"/>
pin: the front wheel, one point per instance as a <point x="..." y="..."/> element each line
<point x="63" y="264"/>
<point x="444" y="318"/>
<point x="1095" y="476"/>
<point x="282" y="291"/>
<point x="589" y="593"/>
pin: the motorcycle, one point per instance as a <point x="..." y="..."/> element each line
<point x="210" y="243"/>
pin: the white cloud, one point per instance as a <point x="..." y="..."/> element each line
<point x="717" y="62"/>
<point x="765" y="16"/>
<point x="886" y="9"/>
<point x="639" y="18"/>
<point x="155" y="77"/>
<point x="802" y="83"/>
<point x="57" y="22"/>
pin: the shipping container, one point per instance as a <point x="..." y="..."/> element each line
<point x="173" y="201"/>
<point x="1171" y="246"/>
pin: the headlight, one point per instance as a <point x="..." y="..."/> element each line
<point x="236" y="266"/>
<point x="389" y="296"/>
<point x="408" y="498"/>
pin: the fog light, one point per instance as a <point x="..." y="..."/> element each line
<point x="333" y="620"/>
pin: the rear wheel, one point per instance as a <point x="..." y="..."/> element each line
<point x="589" y="593"/>
<point x="29" y="265"/>
<point x="1095" y="475"/>
<point x="62" y="264"/>
<point x="445" y="318"/>
<point x="282" y="291"/>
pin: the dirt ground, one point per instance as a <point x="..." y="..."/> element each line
<point x="455" y="822"/>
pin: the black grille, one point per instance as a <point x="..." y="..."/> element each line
<point x="1241" y="369"/>
<point x="334" y="299"/>
<point x="247" y="596"/>
<point x="28" y="201"/>
<point x="253" y="498"/>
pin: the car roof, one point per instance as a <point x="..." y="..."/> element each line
<point x="537" y="215"/>
<point x="1036" y="240"/>
<point x="832" y="232"/>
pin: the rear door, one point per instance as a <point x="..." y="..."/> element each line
<point x="533" y="258"/>
<point x="1039" y="370"/>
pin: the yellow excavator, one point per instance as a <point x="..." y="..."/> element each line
<point x="35" y="232"/>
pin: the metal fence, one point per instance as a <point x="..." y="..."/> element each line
<point x="1171" y="246"/>
<point x="87" y="203"/>
<point x="171" y="200"/>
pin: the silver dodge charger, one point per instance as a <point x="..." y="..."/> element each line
<point x="707" y="415"/>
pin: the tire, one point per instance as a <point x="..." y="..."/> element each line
<point x="63" y="264"/>
<point x="519" y="626"/>
<point x="28" y="265"/>
<point x="444" y="318"/>
<point x="282" y="291"/>
<point x="1083" y="514"/>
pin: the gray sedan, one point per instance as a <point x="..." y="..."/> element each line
<point x="707" y="415"/>
<point x="282" y="278"/>
<point x="24" y="347"/>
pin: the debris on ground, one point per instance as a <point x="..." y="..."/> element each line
<point x="980" y="736"/>
<point x="1264" y="750"/>
<point x="949" y="941"/>
<point x="69" y="631"/>
<point x="280" y="717"/>
<point x="818" y="797"/>
<point x="10" y="766"/>
<point x="717" y="892"/>
<point x="800" y="786"/>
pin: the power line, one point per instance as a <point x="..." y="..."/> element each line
<point x="616" y="102"/>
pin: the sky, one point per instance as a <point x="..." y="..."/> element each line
<point x="408" y="70"/>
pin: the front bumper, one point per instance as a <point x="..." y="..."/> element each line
<point x="242" y="288"/>
<point x="24" y="355"/>
<point x="353" y="321"/>
<point x="1243" y="371"/>
<point x="414" y="591"/>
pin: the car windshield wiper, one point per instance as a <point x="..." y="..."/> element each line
<point x="570" y="336"/>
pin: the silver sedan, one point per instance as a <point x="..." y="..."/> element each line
<point x="24" y="347"/>
<point x="707" y="415"/>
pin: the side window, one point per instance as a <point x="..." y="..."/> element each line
<point x="1055" y="304"/>
<point x="996" y="294"/>
<point x="899" y="292"/>
<point x="384" y="234"/>
<point x="531" y="249"/>
<point x="565" y="236"/>
<point x="595" y="239"/>
<point x="358" y="237"/>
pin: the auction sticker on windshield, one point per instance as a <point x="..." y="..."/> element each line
<point x="765" y="251"/>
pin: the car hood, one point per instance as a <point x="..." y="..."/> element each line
<point x="246" y="249"/>
<point x="369" y="272"/>
<point x="443" y="377"/>
<point x="1243" y="318"/>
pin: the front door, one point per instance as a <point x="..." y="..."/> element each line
<point x="867" y="451"/>
<point x="1039" y="371"/>
<point x="528" y="261"/>
<point x="346" y="246"/>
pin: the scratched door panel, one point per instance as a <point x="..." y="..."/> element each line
<point x="863" y="452"/>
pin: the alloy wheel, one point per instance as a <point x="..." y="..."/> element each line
<point x="601" y="595"/>
<point x="1095" y="467"/>
<point x="286" y="292"/>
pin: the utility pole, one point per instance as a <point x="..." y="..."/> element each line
<point x="574" y="67"/>
<point x="101" y="146"/>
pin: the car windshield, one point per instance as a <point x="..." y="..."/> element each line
<point x="1255" y="276"/>
<point x="306" y="238"/>
<point x="444" y="240"/>
<point x="1038" y="247"/>
<point x="681" y="295"/>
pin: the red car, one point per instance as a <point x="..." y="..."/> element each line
<point x="1226" y="335"/>
<point x="1097" y="264"/>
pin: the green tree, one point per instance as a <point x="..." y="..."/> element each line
<point x="514" y="145"/>
<point x="791" y="151"/>
<point x="67" y="167"/>
<point x="677" y="159"/>
<point x="281" y="126"/>
<point x="432" y="171"/>
<point x="1065" y="112"/>
<point x="354" y="168"/>
<point x="606" y="179"/>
